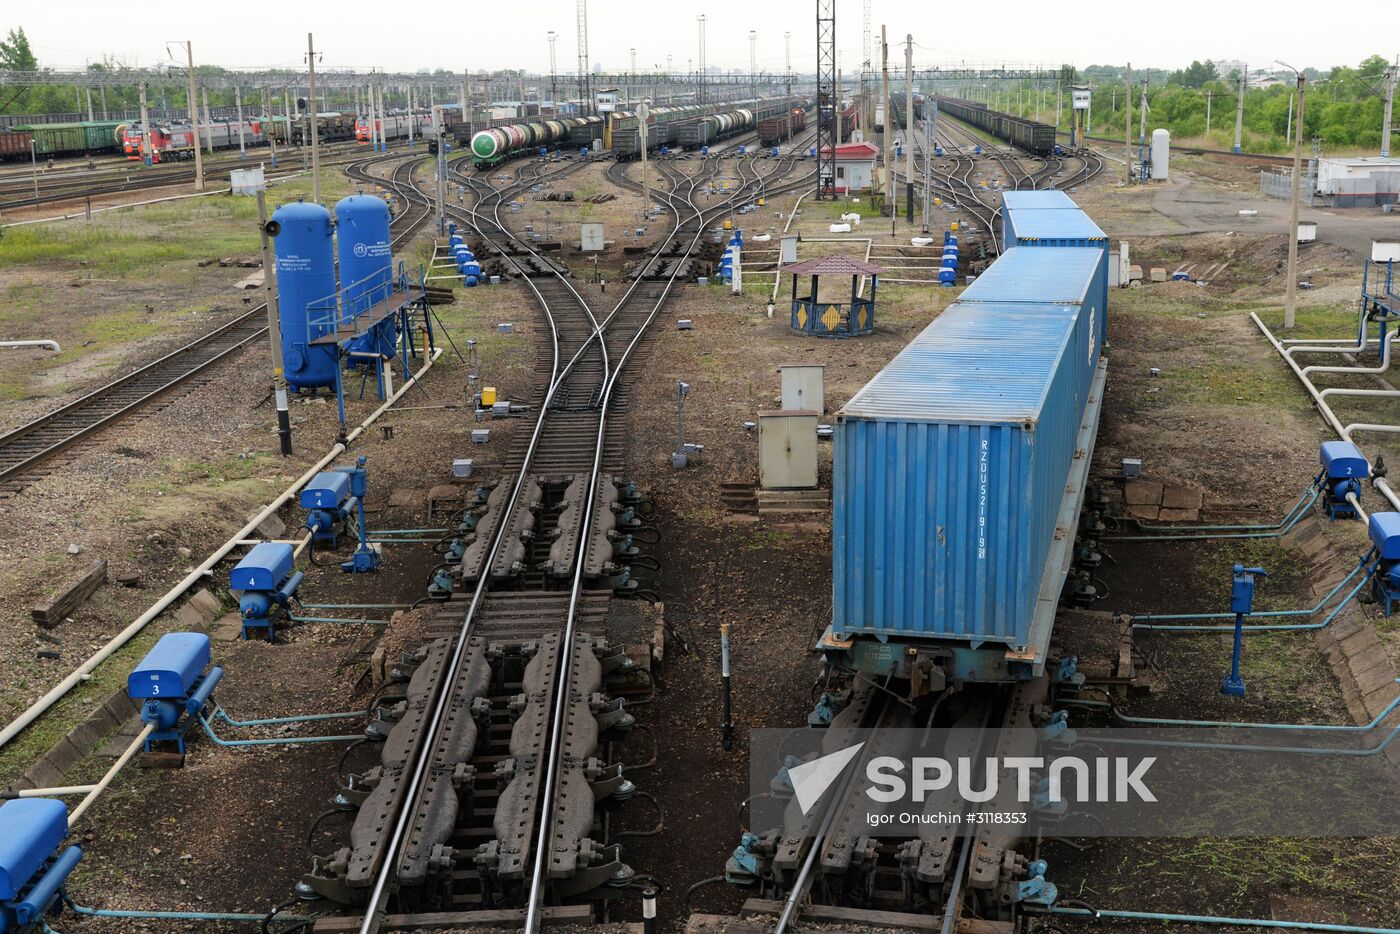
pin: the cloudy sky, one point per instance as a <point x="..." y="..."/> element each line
<point x="356" y="34"/>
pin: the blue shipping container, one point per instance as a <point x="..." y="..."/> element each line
<point x="1051" y="198"/>
<point x="1050" y="227"/>
<point x="1065" y="276"/>
<point x="950" y="471"/>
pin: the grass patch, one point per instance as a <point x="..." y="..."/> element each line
<point x="75" y="707"/>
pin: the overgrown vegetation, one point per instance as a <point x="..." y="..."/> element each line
<point x="1344" y="104"/>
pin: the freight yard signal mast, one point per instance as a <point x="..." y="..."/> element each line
<point x="1079" y="104"/>
<point x="827" y="105"/>
<point x="787" y="71"/>
<point x="585" y="98"/>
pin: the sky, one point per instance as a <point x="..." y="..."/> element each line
<point x="351" y="33"/>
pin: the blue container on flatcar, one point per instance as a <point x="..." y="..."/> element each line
<point x="1050" y="227"/>
<point x="305" y="278"/>
<point x="1067" y="276"/>
<point x="1037" y="200"/>
<point x="366" y="268"/>
<point x="950" y="479"/>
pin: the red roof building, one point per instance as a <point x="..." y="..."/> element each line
<point x="855" y="165"/>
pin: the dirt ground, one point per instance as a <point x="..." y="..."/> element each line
<point x="158" y="488"/>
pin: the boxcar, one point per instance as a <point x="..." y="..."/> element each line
<point x="14" y="144"/>
<point x="56" y="139"/>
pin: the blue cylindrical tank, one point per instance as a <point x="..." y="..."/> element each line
<point x="366" y="268"/>
<point x="305" y="276"/>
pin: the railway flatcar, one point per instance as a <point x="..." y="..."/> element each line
<point x="959" y="472"/>
<point x="394" y="126"/>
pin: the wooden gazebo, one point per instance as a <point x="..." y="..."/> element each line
<point x="812" y="316"/>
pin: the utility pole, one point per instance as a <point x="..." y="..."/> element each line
<point x="1142" y="118"/>
<point x="1290" y="307"/>
<point x="889" y="125"/>
<point x="787" y="72"/>
<point x="208" y="124"/>
<point x="1390" y="76"/>
<point x="410" y="115"/>
<point x="274" y="327"/>
<point x="1128" y="123"/>
<point x="462" y="102"/>
<point x="440" y="130"/>
<point x="194" y="116"/>
<point x="1289" y="133"/>
<point x="268" y="125"/>
<point x="468" y="105"/>
<point x="553" y="73"/>
<point x="931" y="114"/>
<point x="867" y="68"/>
<point x="643" y="112"/>
<point x="315" y="135"/>
<point x="753" y="64"/>
<point x="909" y="127"/>
<point x="700" y="91"/>
<point x="1239" y="112"/>
<point x="146" y="154"/>
<point x="89" y="103"/>
<point x="585" y="99"/>
<point x="1208" y="112"/>
<point x="238" y="109"/>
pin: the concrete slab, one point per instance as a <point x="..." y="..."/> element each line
<point x="1179" y="497"/>
<point x="1142" y="493"/>
<point x="227" y="628"/>
<point x="1178" y="515"/>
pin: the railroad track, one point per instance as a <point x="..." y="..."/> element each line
<point x="503" y="743"/>
<point x="17" y="190"/>
<point x="955" y="869"/>
<point x="32" y="450"/>
<point x="956" y="183"/>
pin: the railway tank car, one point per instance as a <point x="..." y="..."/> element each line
<point x="959" y="473"/>
<point x="496" y="144"/>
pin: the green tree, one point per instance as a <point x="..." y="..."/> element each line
<point x="1194" y="76"/>
<point x="15" y="53"/>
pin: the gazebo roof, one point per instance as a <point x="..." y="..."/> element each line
<point x="833" y="266"/>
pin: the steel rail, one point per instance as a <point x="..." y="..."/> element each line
<point x="379" y="893"/>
